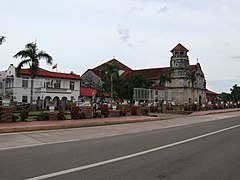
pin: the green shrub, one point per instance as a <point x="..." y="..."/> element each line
<point x="43" y="117"/>
<point x="144" y="111"/>
<point x="24" y="114"/>
<point x="82" y="115"/>
<point x="15" y="118"/>
<point x="123" y="112"/>
<point x="74" y="111"/>
<point x="153" y="108"/>
<point x="61" y="115"/>
<point x="134" y="110"/>
<point x="97" y="114"/>
<point x="105" y="110"/>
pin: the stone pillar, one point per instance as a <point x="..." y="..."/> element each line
<point x="6" y="113"/>
<point x="87" y="110"/>
<point x="53" y="116"/>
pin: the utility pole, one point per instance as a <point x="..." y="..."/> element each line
<point x="112" y="87"/>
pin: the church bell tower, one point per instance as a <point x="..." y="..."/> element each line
<point x="179" y="63"/>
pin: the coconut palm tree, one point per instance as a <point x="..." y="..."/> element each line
<point x="31" y="56"/>
<point x="163" y="78"/>
<point x="2" y="39"/>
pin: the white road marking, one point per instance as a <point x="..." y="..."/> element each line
<point x="129" y="156"/>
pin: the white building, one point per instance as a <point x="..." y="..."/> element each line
<point x="48" y="86"/>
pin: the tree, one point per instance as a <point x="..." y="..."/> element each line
<point x="31" y="57"/>
<point x="235" y="93"/>
<point x="225" y="97"/>
<point x="124" y="85"/>
<point x="163" y="78"/>
<point x="2" y="39"/>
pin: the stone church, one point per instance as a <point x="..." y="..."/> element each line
<point x="186" y="82"/>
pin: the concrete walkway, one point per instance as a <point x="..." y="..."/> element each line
<point x="63" y="124"/>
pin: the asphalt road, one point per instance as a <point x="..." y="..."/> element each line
<point x="195" y="151"/>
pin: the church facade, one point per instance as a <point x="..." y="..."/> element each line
<point x="185" y="82"/>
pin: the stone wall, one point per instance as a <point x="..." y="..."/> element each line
<point x="6" y="113"/>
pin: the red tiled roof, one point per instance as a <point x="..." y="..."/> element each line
<point x="45" y="73"/>
<point x="179" y="47"/>
<point x="154" y="73"/>
<point x="210" y="92"/>
<point x="113" y="61"/>
<point x="89" y="92"/>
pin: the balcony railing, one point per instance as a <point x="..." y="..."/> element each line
<point x="53" y="90"/>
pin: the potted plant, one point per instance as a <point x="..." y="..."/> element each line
<point x="6" y="98"/>
<point x="51" y="106"/>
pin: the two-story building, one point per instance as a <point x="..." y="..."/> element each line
<point x="48" y="86"/>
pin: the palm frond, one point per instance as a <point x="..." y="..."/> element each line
<point x="20" y="65"/>
<point x="22" y="54"/>
<point x="44" y="55"/>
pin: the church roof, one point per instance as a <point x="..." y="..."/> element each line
<point x="179" y="47"/>
<point x="112" y="61"/>
<point x="154" y="73"/>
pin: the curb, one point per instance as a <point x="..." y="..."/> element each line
<point x="75" y="125"/>
<point x="94" y="123"/>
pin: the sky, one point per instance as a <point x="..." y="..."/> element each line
<point x="82" y="34"/>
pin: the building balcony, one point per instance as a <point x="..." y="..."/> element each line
<point x="53" y="90"/>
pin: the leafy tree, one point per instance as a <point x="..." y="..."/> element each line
<point x="225" y="97"/>
<point x="235" y="93"/>
<point x="124" y="85"/>
<point x="163" y="78"/>
<point x="31" y="57"/>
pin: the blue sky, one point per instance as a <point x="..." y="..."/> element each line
<point x="82" y="34"/>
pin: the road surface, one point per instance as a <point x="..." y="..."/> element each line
<point x="207" y="150"/>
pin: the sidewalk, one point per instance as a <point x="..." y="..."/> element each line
<point x="63" y="124"/>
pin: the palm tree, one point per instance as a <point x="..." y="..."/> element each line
<point x="2" y="39"/>
<point x="31" y="56"/>
<point x="163" y="78"/>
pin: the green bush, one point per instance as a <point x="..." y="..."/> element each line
<point x="144" y="111"/>
<point x="123" y="112"/>
<point x="15" y="118"/>
<point x="24" y="114"/>
<point x="74" y="111"/>
<point x="134" y="110"/>
<point x="82" y="115"/>
<point x="105" y="110"/>
<point x="61" y="115"/>
<point x="43" y="117"/>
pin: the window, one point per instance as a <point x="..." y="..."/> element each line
<point x="72" y="85"/>
<point x="24" y="99"/>
<point x="57" y="84"/>
<point x="1" y="86"/>
<point x="25" y="82"/>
